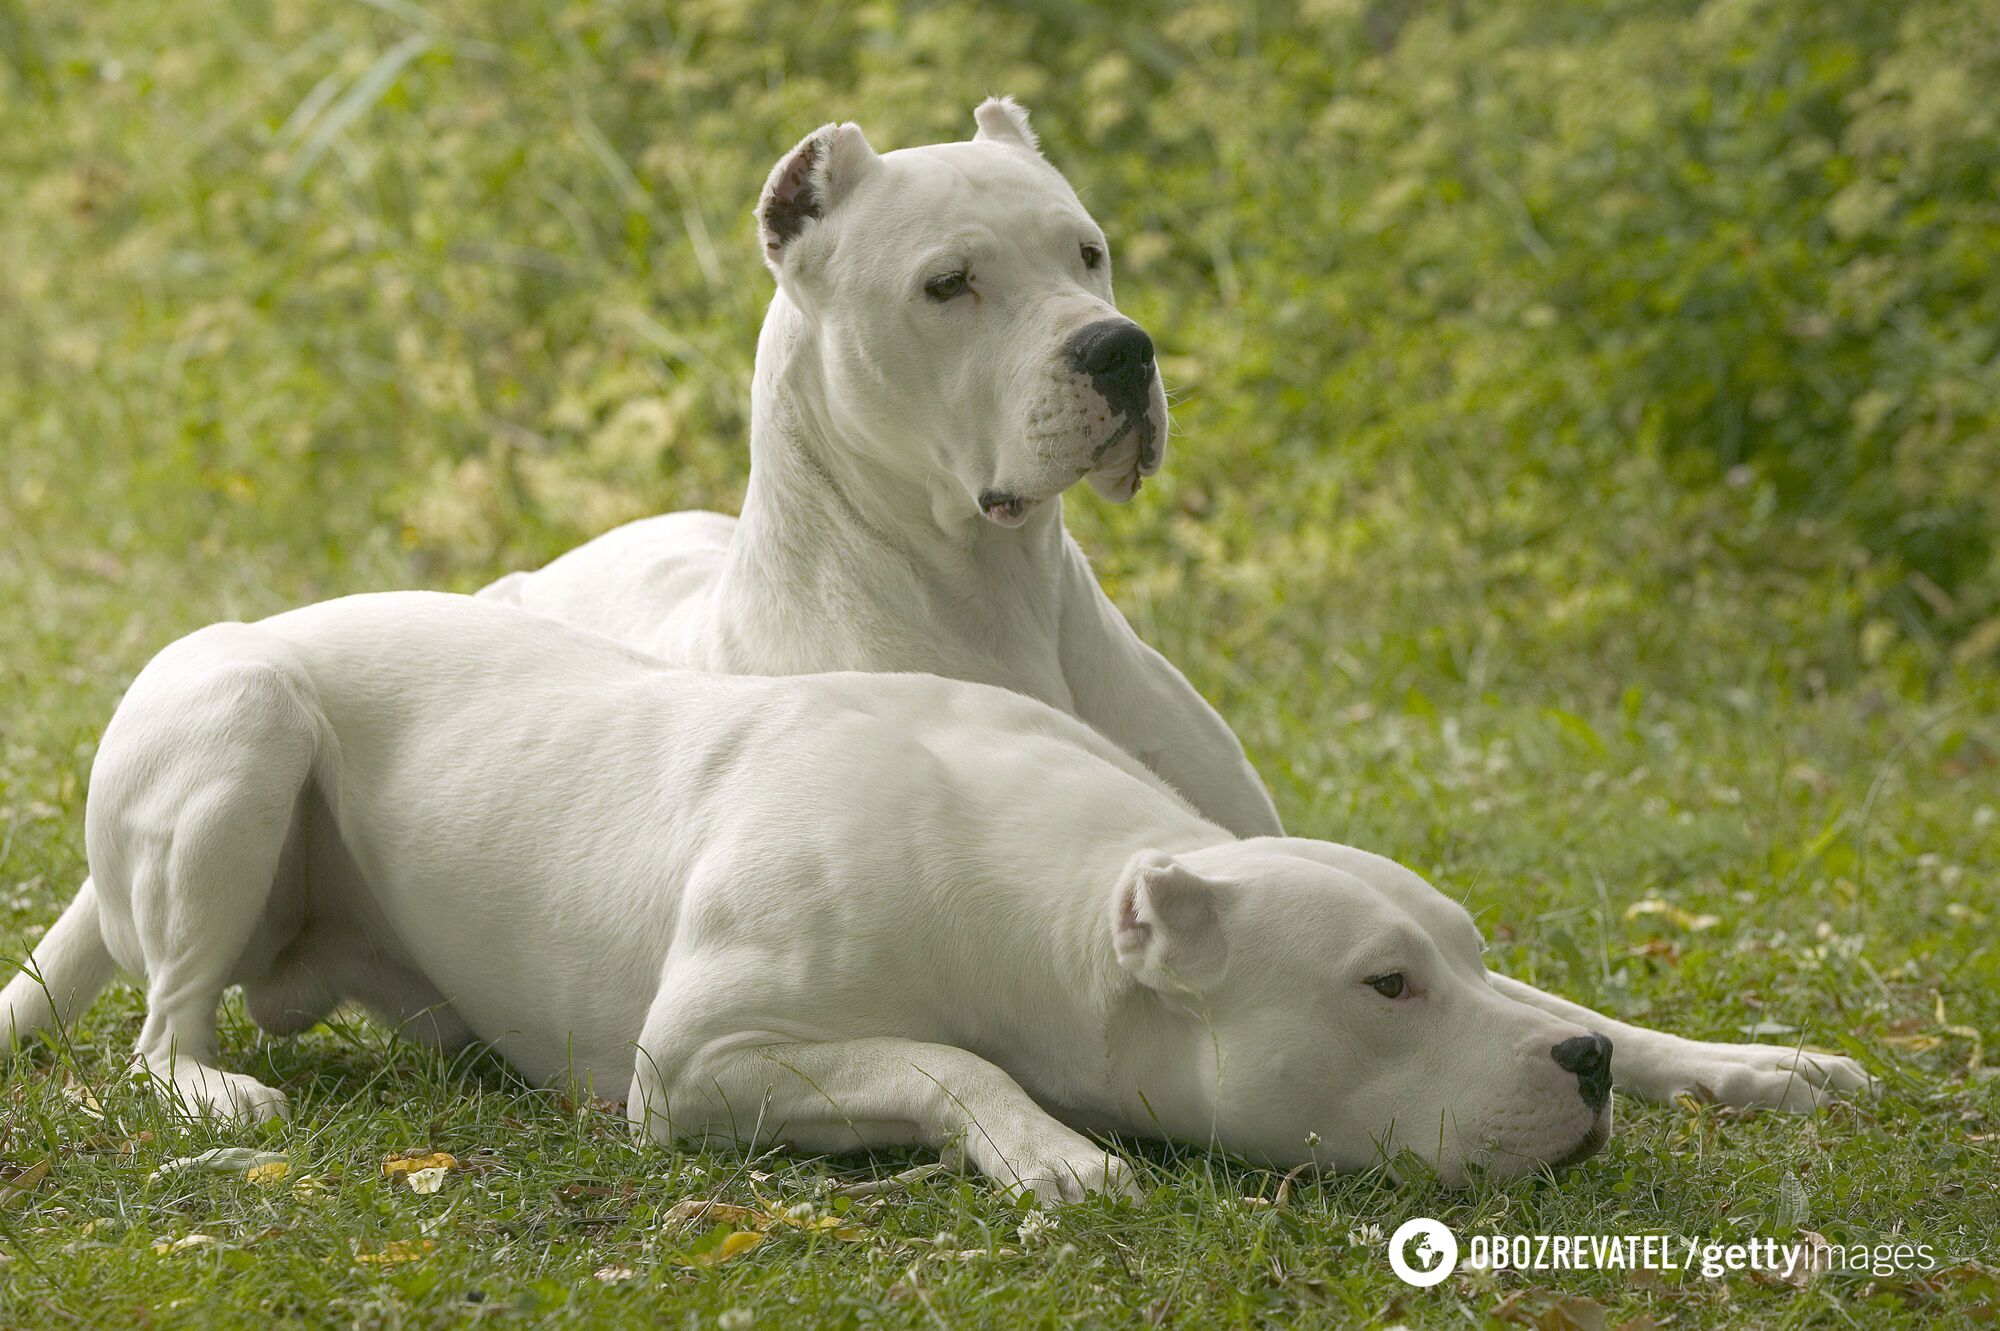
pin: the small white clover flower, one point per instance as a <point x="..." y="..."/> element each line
<point x="1034" y="1225"/>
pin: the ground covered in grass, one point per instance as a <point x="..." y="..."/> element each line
<point x="1585" y="492"/>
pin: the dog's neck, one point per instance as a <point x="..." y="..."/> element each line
<point x="875" y="541"/>
<point x="1115" y="1055"/>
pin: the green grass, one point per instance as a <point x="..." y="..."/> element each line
<point x="1584" y="493"/>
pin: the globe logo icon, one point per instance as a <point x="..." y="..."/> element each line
<point x="1423" y="1251"/>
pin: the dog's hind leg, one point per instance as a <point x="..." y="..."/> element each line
<point x="192" y="807"/>
<point x="294" y="994"/>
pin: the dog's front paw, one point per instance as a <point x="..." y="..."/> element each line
<point x="1759" y="1076"/>
<point x="1070" y="1172"/>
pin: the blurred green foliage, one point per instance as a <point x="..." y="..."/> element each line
<point x="1626" y="333"/>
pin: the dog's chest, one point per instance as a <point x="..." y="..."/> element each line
<point x="999" y="636"/>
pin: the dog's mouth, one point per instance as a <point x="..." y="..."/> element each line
<point x="1593" y="1142"/>
<point x="1005" y="509"/>
<point x="1119" y="465"/>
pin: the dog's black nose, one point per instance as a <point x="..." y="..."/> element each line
<point x="1118" y="357"/>
<point x="1589" y="1057"/>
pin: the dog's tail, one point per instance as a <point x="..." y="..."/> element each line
<point x="68" y="967"/>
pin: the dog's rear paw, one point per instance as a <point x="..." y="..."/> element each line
<point x="199" y="1091"/>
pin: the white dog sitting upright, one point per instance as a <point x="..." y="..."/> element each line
<point x="942" y="346"/>
<point x="941" y="360"/>
<point x="839" y="910"/>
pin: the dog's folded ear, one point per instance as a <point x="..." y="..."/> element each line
<point x="808" y="183"/>
<point x="1004" y="120"/>
<point x="1165" y="924"/>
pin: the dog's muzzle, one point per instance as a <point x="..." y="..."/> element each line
<point x="1116" y="356"/>
<point x="1589" y="1057"/>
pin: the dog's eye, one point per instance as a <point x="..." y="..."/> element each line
<point x="1092" y="256"/>
<point x="1389" y="986"/>
<point x="942" y="289"/>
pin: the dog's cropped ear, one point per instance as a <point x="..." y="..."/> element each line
<point x="1165" y="924"/>
<point x="808" y="183"/>
<point x="1004" y="120"/>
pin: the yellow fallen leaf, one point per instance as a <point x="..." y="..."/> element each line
<point x="237" y="1160"/>
<point x="185" y="1242"/>
<point x="83" y="1097"/>
<point x="268" y="1173"/>
<point x="395" y="1251"/>
<point x="816" y="1222"/>
<point x="1685" y="919"/>
<point x="17" y="1188"/>
<point x="612" y="1275"/>
<point x="732" y="1245"/>
<point x="1978" y="1044"/>
<point x="697" y="1211"/>
<point x="398" y="1165"/>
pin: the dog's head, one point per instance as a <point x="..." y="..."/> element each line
<point x="1336" y="1010"/>
<point x="961" y="298"/>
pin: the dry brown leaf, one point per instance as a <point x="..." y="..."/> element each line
<point x="1677" y="915"/>
<point x="1916" y="1043"/>
<point x="15" y="1190"/>
<point x="876" y="1187"/>
<point x="1285" y="1184"/>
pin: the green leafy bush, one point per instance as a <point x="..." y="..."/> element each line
<point x="1567" y="311"/>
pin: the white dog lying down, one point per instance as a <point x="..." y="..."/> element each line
<point x="844" y="911"/>
<point x="942" y="359"/>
